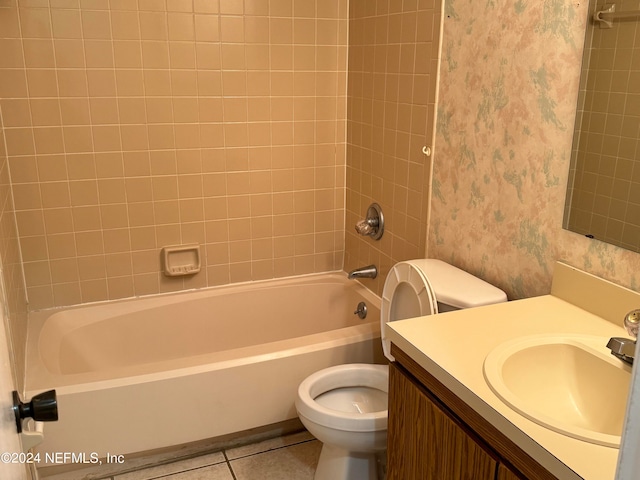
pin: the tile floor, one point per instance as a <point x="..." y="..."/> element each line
<point x="290" y="457"/>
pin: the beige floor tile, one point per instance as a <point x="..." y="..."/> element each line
<point x="174" y="467"/>
<point x="291" y="457"/>
<point x="267" y="445"/>
<point x="297" y="462"/>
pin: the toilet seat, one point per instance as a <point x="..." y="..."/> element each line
<point x="407" y="293"/>
<point x="343" y="376"/>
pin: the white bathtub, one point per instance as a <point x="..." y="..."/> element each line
<point x="160" y="371"/>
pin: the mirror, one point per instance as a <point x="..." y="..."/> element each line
<point x="603" y="194"/>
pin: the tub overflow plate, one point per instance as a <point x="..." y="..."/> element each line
<point x="361" y="311"/>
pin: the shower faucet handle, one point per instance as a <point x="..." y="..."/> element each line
<point x="373" y="225"/>
<point x="365" y="227"/>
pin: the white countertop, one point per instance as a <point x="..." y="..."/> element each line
<point x="452" y="347"/>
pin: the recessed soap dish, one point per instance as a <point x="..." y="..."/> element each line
<point x="181" y="260"/>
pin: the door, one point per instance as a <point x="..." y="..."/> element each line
<point x="629" y="457"/>
<point x="12" y="465"/>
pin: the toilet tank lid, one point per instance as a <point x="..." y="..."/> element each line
<point x="457" y="288"/>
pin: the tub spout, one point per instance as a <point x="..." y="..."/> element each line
<point x="370" y="271"/>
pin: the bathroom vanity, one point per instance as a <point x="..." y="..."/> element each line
<point x="430" y="434"/>
<point x="449" y="418"/>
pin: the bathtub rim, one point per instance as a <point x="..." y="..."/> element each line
<point x="292" y="279"/>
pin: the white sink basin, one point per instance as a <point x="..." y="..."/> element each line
<point x="569" y="384"/>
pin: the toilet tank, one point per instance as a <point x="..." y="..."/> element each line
<point x="456" y="289"/>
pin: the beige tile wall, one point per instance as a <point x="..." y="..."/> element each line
<point x="393" y="58"/>
<point x="12" y="294"/>
<point x="604" y="200"/>
<point x="134" y="124"/>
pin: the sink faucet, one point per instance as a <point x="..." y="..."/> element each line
<point x="370" y="271"/>
<point x="625" y="348"/>
<point x="622" y="348"/>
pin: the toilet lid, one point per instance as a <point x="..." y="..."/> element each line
<point x="407" y="293"/>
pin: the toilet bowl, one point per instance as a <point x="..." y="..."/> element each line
<point x="345" y="407"/>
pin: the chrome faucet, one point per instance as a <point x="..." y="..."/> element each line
<point x="370" y="271"/>
<point x="622" y="348"/>
<point x="625" y="348"/>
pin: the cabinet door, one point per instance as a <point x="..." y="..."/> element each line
<point x="504" y="473"/>
<point x="424" y="443"/>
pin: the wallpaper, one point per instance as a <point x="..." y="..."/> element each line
<point x="508" y="89"/>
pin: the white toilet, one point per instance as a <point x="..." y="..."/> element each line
<point x="345" y="407"/>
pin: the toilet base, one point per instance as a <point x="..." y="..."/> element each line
<point x="336" y="463"/>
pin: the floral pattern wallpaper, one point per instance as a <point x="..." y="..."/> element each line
<point x="506" y="109"/>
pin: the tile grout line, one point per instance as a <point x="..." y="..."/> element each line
<point x="228" y="462"/>
<point x="167" y="475"/>
<point x="113" y="476"/>
<point x="272" y="449"/>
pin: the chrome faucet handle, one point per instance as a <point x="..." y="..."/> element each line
<point x="373" y="225"/>
<point x="622" y="348"/>
<point x="631" y="322"/>
<point x="365" y="227"/>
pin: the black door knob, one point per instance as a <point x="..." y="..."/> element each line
<point x="42" y="408"/>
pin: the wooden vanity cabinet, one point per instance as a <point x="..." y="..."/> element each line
<point x="505" y="474"/>
<point x="424" y="442"/>
<point x="433" y="435"/>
